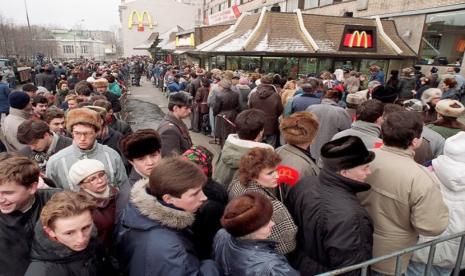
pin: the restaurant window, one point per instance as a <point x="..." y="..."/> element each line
<point x="366" y="63"/>
<point x="325" y="64"/>
<point x="284" y="66"/>
<point x="248" y="64"/>
<point x="443" y="41"/>
<point x="307" y="66"/>
<point x="221" y="62"/>
<point x="233" y="63"/>
<point x="311" y="4"/>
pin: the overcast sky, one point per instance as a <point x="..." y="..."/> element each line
<point x="97" y="14"/>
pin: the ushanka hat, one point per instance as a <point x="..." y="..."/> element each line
<point x="299" y="128"/>
<point x="345" y="153"/>
<point x="450" y="108"/>
<point x="246" y="214"/>
<point x="83" y="116"/>
<point x="140" y="143"/>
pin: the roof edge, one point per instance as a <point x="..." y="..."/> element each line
<point x="255" y="30"/>
<point x="304" y="30"/>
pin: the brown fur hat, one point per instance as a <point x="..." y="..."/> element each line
<point x="246" y="214"/>
<point x="83" y="116"/>
<point x="140" y="143"/>
<point x="299" y="128"/>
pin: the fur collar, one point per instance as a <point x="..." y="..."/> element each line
<point x="150" y="207"/>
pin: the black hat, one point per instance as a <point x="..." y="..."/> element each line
<point x="384" y="95"/>
<point x="19" y="99"/>
<point x="140" y="143"/>
<point x="345" y="153"/>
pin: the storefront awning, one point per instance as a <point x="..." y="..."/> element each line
<point x="148" y="43"/>
<point x="297" y="34"/>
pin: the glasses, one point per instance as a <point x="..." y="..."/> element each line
<point x="80" y="134"/>
<point x="93" y="179"/>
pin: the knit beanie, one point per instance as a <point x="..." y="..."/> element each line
<point x="19" y="99"/>
<point x="246" y="214"/>
<point x="84" y="116"/>
<point x="82" y="169"/>
<point x="299" y="128"/>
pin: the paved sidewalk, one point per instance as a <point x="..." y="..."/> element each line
<point x="148" y="93"/>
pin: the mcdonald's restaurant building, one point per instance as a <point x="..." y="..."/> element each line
<point x="143" y="19"/>
<point x="293" y="44"/>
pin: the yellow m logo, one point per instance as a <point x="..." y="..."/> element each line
<point x="359" y="37"/>
<point x="143" y="18"/>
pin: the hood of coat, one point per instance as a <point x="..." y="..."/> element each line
<point x="151" y="208"/>
<point x="45" y="249"/>
<point x="265" y="90"/>
<point x="450" y="172"/>
<point x="234" y="148"/>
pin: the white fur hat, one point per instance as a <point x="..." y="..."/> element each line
<point x="82" y="169"/>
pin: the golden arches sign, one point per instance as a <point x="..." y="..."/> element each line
<point x="359" y="36"/>
<point x="143" y="18"/>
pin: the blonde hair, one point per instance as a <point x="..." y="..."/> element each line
<point x="18" y="169"/>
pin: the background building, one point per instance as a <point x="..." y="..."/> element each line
<point x="73" y="44"/>
<point x="140" y="19"/>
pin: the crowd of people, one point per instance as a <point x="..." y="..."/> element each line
<point x="314" y="174"/>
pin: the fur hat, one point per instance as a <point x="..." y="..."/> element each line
<point x="450" y="108"/>
<point x="345" y="153"/>
<point x="266" y="79"/>
<point x="102" y="82"/>
<point x="82" y="115"/>
<point x="246" y="214"/>
<point x="299" y="128"/>
<point x="430" y="94"/>
<point x="100" y="110"/>
<point x="384" y="95"/>
<point x="19" y="99"/>
<point x="356" y="98"/>
<point x="140" y="143"/>
<point x="82" y="169"/>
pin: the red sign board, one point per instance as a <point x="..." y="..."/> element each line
<point x="358" y="38"/>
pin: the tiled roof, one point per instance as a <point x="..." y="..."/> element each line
<point x="280" y="33"/>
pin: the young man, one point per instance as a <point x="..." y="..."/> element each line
<point x="153" y="236"/>
<point x="30" y="89"/>
<point x="39" y="106"/>
<point x="64" y="241"/>
<point x="84" y="125"/>
<point x="174" y="133"/>
<point x="405" y="200"/>
<point x="20" y="207"/>
<point x="20" y="111"/>
<point x="55" y="118"/>
<point x="115" y="124"/>
<point x="101" y="87"/>
<point x="42" y="143"/>
<point x="334" y="229"/>
<point x="249" y="127"/>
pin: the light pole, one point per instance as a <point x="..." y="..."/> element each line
<point x="74" y="32"/>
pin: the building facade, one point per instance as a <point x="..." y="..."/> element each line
<point x="140" y="19"/>
<point x="73" y="45"/>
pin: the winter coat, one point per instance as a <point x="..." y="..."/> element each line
<point x="4" y="103"/>
<point x="174" y="87"/>
<point x="335" y="231"/>
<point x="244" y="91"/>
<point x="405" y="87"/>
<point x="59" y="164"/>
<point x="352" y="84"/>
<point x="226" y="104"/>
<point x="451" y="93"/>
<point x="302" y="101"/>
<point x="267" y="99"/>
<point x="120" y="126"/>
<point x="249" y="257"/>
<point x="115" y="89"/>
<point x="17" y="233"/>
<point x="201" y="98"/>
<point x="284" y="232"/>
<point x="114" y="100"/>
<point x="175" y="137"/>
<point x="154" y="239"/>
<point x="51" y="258"/>
<point x="228" y="162"/>
<point x="378" y="76"/>
<point x="207" y="219"/>
<point x="370" y="133"/>
<point x="447" y="128"/>
<point x="111" y="140"/>
<point x="194" y="86"/>
<point x="10" y="128"/>
<point x="404" y="201"/>
<point x="451" y="178"/>
<point x="59" y="142"/>
<point x="332" y="118"/>
<point x="436" y="141"/>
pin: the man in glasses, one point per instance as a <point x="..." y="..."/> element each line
<point x="84" y="125"/>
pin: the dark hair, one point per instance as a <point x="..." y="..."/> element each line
<point x="333" y="94"/>
<point x="31" y="130"/>
<point x="179" y="99"/>
<point x="457" y="69"/>
<point x="193" y="75"/>
<point x="308" y="88"/>
<point x="254" y="161"/>
<point x="370" y="111"/>
<point x="391" y="108"/>
<point x="39" y="99"/>
<point x="18" y="169"/>
<point x="205" y="83"/>
<point x="103" y="103"/>
<point x="110" y="78"/>
<point x="174" y="176"/>
<point x="400" y="128"/>
<point x="52" y="113"/>
<point x="249" y="123"/>
<point x="83" y="88"/>
<point x="451" y="82"/>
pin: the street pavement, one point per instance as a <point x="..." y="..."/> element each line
<point x="147" y="106"/>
